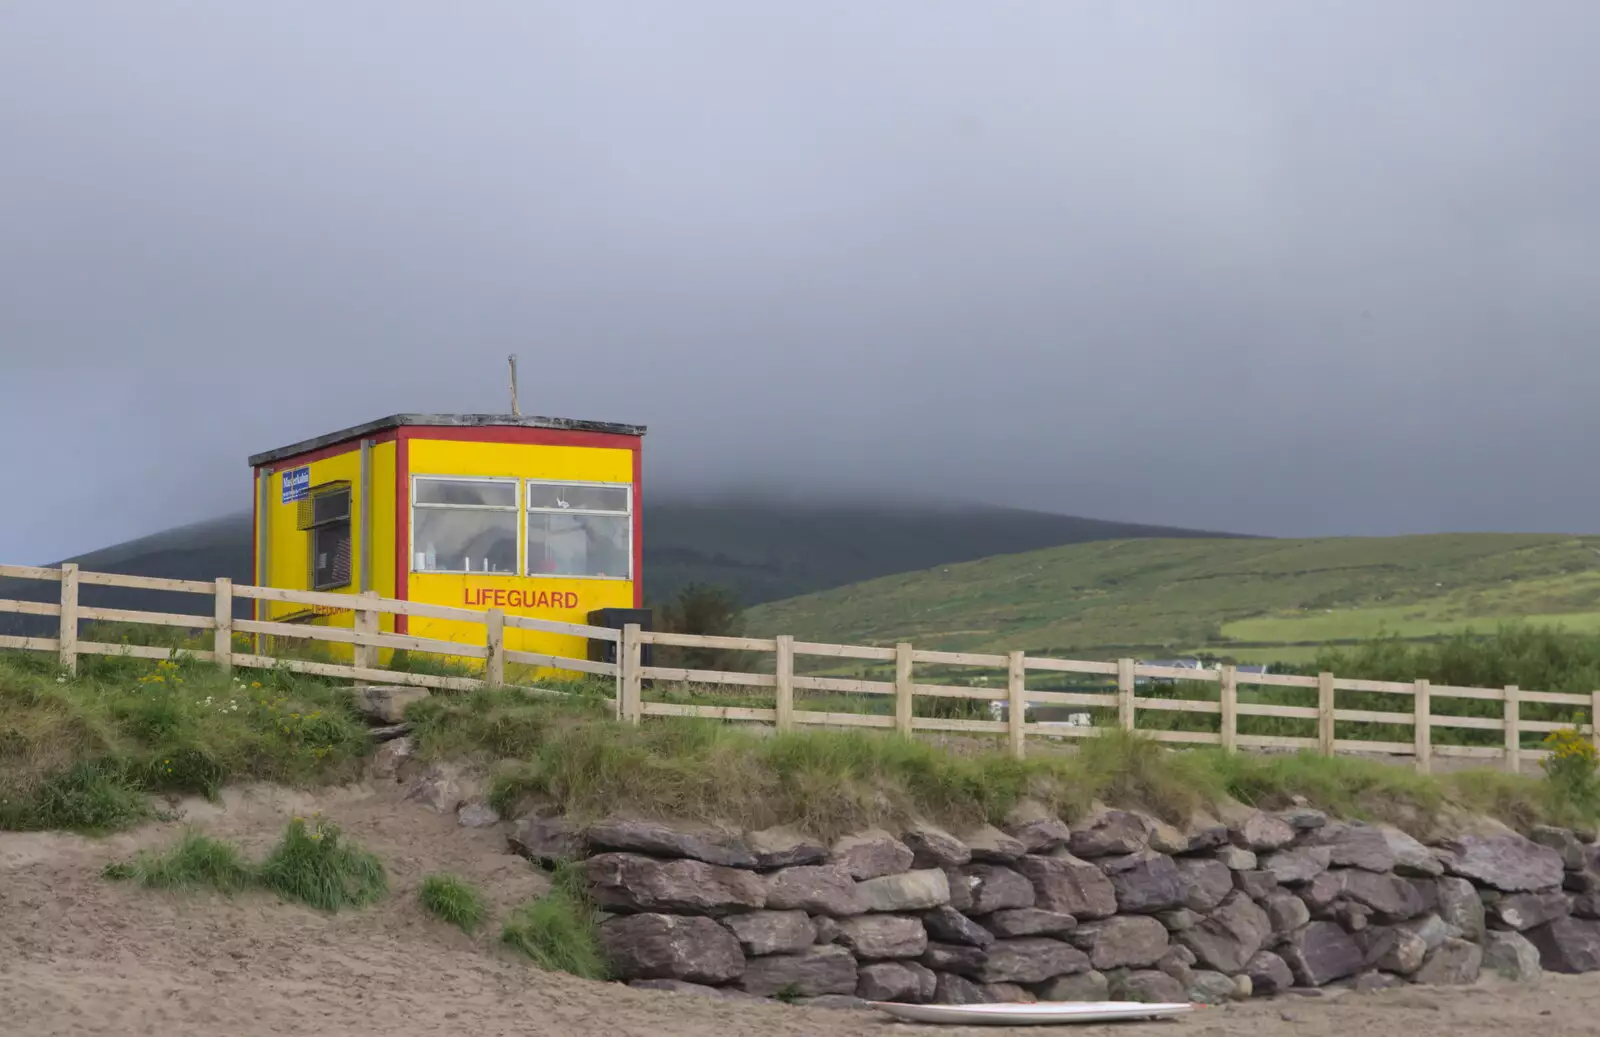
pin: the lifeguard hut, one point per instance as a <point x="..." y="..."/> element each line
<point x="535" y="516"/>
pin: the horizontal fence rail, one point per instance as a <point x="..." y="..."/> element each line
<point x="1138" y="689"/>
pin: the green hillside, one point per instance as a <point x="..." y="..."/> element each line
<point x="1252" y="600"/>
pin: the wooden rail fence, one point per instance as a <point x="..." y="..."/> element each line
<point x="366" y="640"/>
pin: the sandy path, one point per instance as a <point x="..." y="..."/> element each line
<point x="79" y="955"/>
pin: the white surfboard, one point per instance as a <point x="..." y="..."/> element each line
<point x="1043" y="1013"/>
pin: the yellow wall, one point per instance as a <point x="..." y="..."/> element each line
<point x="568" y="600"/>
<point x="288" y="554"/>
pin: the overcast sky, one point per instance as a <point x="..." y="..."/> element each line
<point x="1283" y="268"/>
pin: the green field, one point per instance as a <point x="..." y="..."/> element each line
<point x="1250" y="600"/>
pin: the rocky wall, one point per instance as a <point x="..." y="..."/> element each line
<point x="1116" y="906"/>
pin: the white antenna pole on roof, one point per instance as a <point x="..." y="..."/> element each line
<point x="515" y="411"/>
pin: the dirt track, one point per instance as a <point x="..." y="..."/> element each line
<point x="79" y="955"/>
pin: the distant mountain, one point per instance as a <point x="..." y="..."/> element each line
<point x="764" y="549"/>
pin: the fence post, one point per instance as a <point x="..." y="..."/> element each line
<point x="902" y="689"/>
<point x="1017" y="712"/>
<point x="629" y="705"/>
<point x="1325" y="713"/>
<point x="1594" y="718"/>
<point x="1228" y="680"/>
<point x="69" y="617"/>
<point x="222" y="640"/>
<point x="1125" y="719"/>
<point x="783" y="668"/>
<point x="367" y="623"/>
<point x="494" y="671"/>
<point x="1424" y="726"/>
<point x="1513" y="723"/>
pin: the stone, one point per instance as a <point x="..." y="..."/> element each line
<point x="828" y="930"/>
<point x="658" y="946"/>
<point x="1520" y="912"/>
<point x="907" y="891"/>
<point x="947" y="925"/>
<point x="1575" y="856"/>
<point x="1286" y="912"/>
<point x="1262" y="833"/>
<point x="1453" y="963"/>
<point x="1586" y="905"/>
<point x="1304" y="819"/>
<point x="1321" y="893"/>
<point x="386" y="703"/>
<point x="1126" y="941"/>
<point x="1204" y="835"/>
<point x="1584" y="880"/>
<point x="658" y="839"/>
<point x="1511" y="956"/>
<point x="951" y="989"/>
<point x="960" y="889"/>
<point x="1355" y="846"/>
<point x="1040" y="834"/>
<point x="627" y="882"/>
<point x="1063" y="883"/>
<point x="997" y="888"/>
<point x="1179" y="919"/>
<point x="1258" y="885"/>
<point x="1434" y="930"/>
<point x="1461" y="907"/>
<point x="1567" y="945"/>
<point x="477" y="814"/>
<point x="933" y="847"/>
<point x="1211" y="988"/>
<point x="1007" y="994"/>
<point x="817" y="889"/>
<point x="1167" y="839"/>
<point x="1296" y="867"/>
<point x="1237" y="858"/>
<point x="872" y="854"/>
<point x="989" y="845"/>
<point x="1374" y="982"/>
<point x="903" y="981"/>
<point x="1411" y="857"/>
<point x="440" y="788"/>
<point x="1149" y="987"/>
<point x="678" y="986"/>
<point x="813" y="972"/>
<point x="1110" y="833"/>
<point x="546" y="841"/>
<point x="389" y="757"/>
<point x="1029" y="921"/>
<point x="1235" y="932"/>
<point x="772" y="932"/>
<point x="1353" y="917"/>
<point x="1507" y="862"/>
<point x="884" y="936"/>
<point x="1031" y="960"/>
<point x="1178" y="963"/>
<point x="784" y="848"/>
<point x="1321" y="953"/>
<point x="1144" y="882"/>
<point x="1268" y="974"/>
<point x="1392" y="949"/>
<point x="1392" y="898"/>
<point x="956" y="958"/>
<point x="1085" y="986"/>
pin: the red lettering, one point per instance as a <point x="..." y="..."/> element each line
<point x="543" y="600"/>
<point x="572" y="599"/>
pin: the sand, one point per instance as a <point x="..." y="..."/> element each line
<point x="80" y="956"/>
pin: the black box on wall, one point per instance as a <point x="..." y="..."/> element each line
<point x="601" y="651"/>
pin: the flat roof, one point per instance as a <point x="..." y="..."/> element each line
<point x="394" y="421"/>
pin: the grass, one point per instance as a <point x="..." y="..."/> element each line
<point x="453" y="900"/>
<point x="557" y="931"/>
<point x="1160" y="597"/>
<point x="312" y="866"/>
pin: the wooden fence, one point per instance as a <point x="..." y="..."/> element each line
<point x="903" y="690"/>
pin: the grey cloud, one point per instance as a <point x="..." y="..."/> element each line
<point x="1304" y="268"/>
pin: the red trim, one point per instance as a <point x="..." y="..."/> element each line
<point x="526" y="436"/>
<point x="638" y="524"/>
<point x="255" y="541"/>
<point x="402" y="522"/>
<point x="335" y="450"/>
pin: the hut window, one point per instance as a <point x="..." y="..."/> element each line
<point x="325" y="517"/>
<point x="463" y="525"/>
<point x="580" y="529"/>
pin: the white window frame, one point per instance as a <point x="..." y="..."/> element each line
<point x="528" y="509"/>
<point x="515" y="508"/>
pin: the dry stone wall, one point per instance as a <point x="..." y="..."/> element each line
<point x="1117" y="906"/>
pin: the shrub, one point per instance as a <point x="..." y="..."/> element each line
<point x="316" y="867"/>
<point x="451" y="899"/>
<point x="196" y="861"/>
<point x="558" y="931"/>
<point x="1570" y="768"/>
